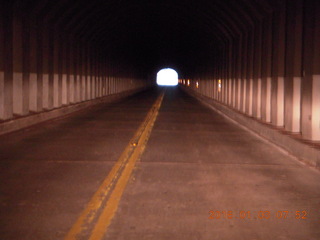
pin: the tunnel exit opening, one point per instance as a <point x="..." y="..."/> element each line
<point x="167" y="77"/>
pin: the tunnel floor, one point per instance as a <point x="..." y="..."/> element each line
<point x="200" y="177"/>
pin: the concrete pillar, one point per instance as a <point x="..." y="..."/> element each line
<point x="52" y="78"/>
<point x="56" y="71"/>
<point x="213" y="86"/>
<point x="39" y="71"/>
<point x="20" y="96"/>
<point x="93" y="78"/>
<point x="109" y="84"/>
<point x="82" y="70"/>
<point x="244" y="61"/>
<point x="229" y="76"/>
<point x="96" y="77"/>
<point x="26" y="63"/>
<point x="71" y="68"/>
<point x="61" y="63"/>
<point x="234" y="92"/>
<point x="6" y="40"/>
<point x="99" y="78"/>
<point x="256" y="103"/>
<point x="88" y="72"/>
<point x="112" y="84"/>
<point x="266" y="69"/>
<point x="293" y="66"/>
<point x="45" y="66"/>
<point x="278" y="68"/>
<point x="104" y="77"/>
<point x="315" y="112"/>
<point x="76" y="62"/>
<point x="216" y="87"/>
<point x="249" y="89"/>
<point x="310" y="94"/>
<point x="233" y="73"/>
<point x="64" y="72"/>
<point x="238" y="74"/>
<point x="33" y="75"/>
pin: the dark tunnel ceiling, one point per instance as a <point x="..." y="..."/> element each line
<point x="148" y="35"/>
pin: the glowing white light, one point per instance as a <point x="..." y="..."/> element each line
<point x="167" y="77"/>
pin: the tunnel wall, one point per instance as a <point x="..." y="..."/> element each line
<point x="270" y="71"/>
<point x="44" y="68"/>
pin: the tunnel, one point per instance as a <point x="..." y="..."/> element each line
<point x="92" y="148"/>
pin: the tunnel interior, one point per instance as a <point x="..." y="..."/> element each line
<point x="83" y="124"/>
<point x="258" y="57"/>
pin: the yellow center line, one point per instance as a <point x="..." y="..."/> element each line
<point x="125" y="164"/>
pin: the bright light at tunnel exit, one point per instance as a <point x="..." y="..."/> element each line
<point x="167" y="77"/>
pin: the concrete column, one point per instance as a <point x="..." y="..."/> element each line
<point x="96" y="76"/>
<point x="64" y="71"/>
<point x="93" y="77"/>
<point x="33" y="83"/>
<point x="94" y="65"/>
<point x="108" y="83"/>
<point x="83" y="71"/>
<point x="103" y="77"/>
<point x="112" y="84"/>
<point x="52" y="65"/>
<point x="256" y="103"/>
<point x="266" y="69"/>
<point x="61" y="63"/>
<point x="6" y="58"/>
<point x="229" y="76"/>
<point x="88" y="72"/>
<point x="100" y="78"/>
<point x="310" y="94"/>
<point x="315" y="112"/>
<point x="26" y="64"/>
<point x="71" y="70"/>
<point x="39" y="67"/>
<point x="107" y="80"/>
<point x="234" y="81"/>
<point x="244" y="61"/>
<point x="238" y="74"/>
<point x="45" y="66"/>
<point x="293" y="66"/>
<point x="249" y="74"/>
<point x="233" y="73"/>
<point x="2" y="57"/>
<point x="278" y="69"/>
<point x="77" y="69"/>
<point x="212" y="86"/>
<point x="56" y="71"/>
<point x="18" y="93"/>
<point x="216" y="92"/>
<point x="229" y="73"/>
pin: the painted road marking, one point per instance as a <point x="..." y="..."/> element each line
<point x="118" y="177"/>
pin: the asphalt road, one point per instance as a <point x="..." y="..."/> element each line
<point x="200" y="177"/>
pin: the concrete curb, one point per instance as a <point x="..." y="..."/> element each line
<point x="16" y="124"/>
<point x="302" y="151"/>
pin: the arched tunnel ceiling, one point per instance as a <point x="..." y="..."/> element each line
<point x="148" y="35"/>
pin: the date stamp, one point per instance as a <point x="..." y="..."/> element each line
<point x="259" y="215"/>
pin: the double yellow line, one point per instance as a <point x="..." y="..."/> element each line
<point x="111" y="190"/>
